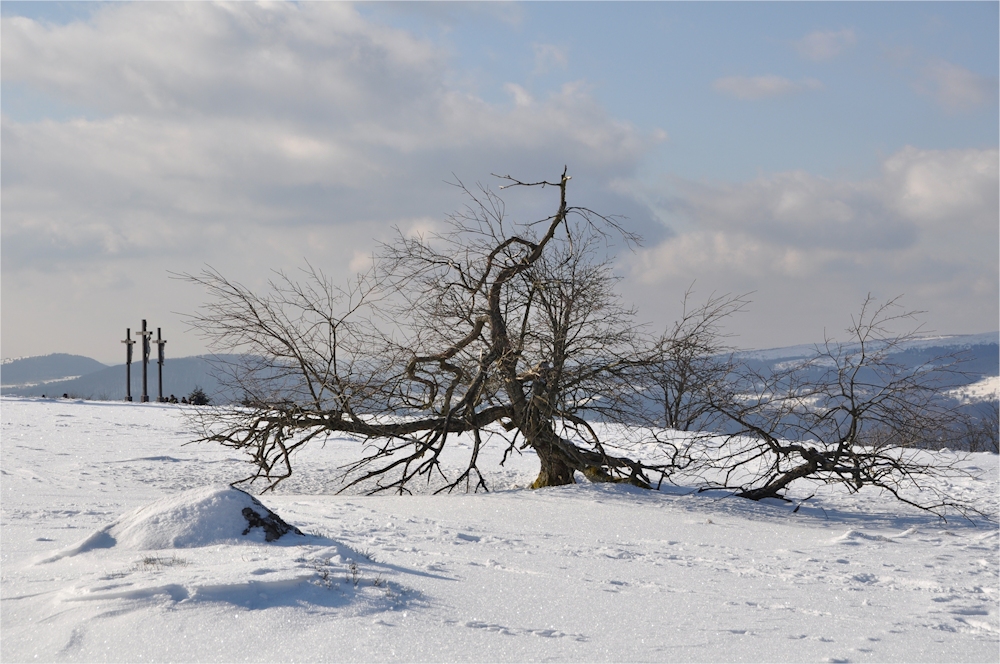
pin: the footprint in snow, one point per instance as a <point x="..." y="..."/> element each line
<point x="519" y="631"/>
<point x="969" y="611"/>
<point x="856" y="537"/>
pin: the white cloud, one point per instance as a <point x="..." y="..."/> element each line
<point x="250" y="137"/>
<point x="928" y="226"/>
<point x="956" y="88"/>
<point x="825" y="45"/>
<point x="549" y="57"/>
<point x="920" y="195"/>
<point x="811" y="248"/>
<point x="263" y="114"/>
<point x="521" y="96"/>
<point x="762" y="87"/>
<point x="944" y="188"/>
<point x="230" y="59"/>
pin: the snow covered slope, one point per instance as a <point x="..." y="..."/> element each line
<point x="180" y="376"/>
<point x="119" y="544"/>
<point x="27" y="371"/>
<point x="947" y="342"/>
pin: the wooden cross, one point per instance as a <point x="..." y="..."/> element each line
<point x="129" y="342"/>
<point x="160" y="343"/>
<point x="146" y="334"/>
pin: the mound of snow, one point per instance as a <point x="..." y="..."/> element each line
<point x="199" y="517"/>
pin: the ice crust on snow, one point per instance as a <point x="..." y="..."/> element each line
<point x="199" y="517"/>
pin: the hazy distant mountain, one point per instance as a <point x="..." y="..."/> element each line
<point x="180" y="376"/>
<point x="34" y="370"/>
<point x="981" y="353"/>
<point x="928" y="343"/>
<point x="979" y="356"/>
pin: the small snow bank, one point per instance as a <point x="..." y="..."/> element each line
<point x="200" y="517"/>
<point x="855" y="537"/>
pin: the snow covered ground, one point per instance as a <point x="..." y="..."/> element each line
<point x="981" y="390"/>
<point x="121" y="544"/>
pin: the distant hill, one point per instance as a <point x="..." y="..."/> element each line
<point x="979" y="356"/>
<point x="180" y="376"/>
<point x="35" y="370"/>
<point x="23" y="377"/>
<point x="924" y="344"/>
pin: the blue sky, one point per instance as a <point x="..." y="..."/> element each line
<point x="654" y="63"/>
<point x="809" y="152"/>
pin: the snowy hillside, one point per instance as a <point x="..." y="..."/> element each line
<point x="982" y="390"/>
<point x="122" y="544"/>
<point x="27" y="371"/>
<point x="180" y="376"/>
<point x="943" y="342"/>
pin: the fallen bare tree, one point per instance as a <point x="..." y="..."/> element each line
<point x="849" y="415"/>
<point x="511" y="332"/>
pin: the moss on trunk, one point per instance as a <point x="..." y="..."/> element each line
<point x="554" y="471"/>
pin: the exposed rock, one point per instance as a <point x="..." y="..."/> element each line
<point x="273" y="525"/>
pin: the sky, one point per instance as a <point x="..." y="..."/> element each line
<point x="806" y="153"/>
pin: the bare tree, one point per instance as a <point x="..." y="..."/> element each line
<point x="850" y="415"/>
<point x="694" y="366"/>
<point x="980" y="429"/>
<point x="509" y="331"/>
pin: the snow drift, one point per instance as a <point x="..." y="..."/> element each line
<point x="198" y="517"/>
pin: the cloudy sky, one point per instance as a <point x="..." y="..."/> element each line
<point x="809" y="152"/>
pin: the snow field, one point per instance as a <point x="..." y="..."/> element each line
<point x="96" y="563"/>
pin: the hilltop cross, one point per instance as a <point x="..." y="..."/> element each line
<point x="129" y="342"/>
<point x="160" y="343"/>
<point x="146" y="334"/>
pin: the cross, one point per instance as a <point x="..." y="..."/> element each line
<point x="160" y="343"/>
<point x="129" y="342"/>
<point x="146" y="334"/>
